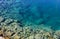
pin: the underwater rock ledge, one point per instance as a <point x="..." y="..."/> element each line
<point x="11" y="29"/>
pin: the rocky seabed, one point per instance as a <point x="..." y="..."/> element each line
<point x="12" y="29"/>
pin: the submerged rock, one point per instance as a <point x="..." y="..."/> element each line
<point x="1" y="19"/>
<point x="11" y="29"/>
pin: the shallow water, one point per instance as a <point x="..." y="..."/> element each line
<point x="33" y="12"/>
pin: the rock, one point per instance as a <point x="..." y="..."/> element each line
<point x="30" y="37"/>
<point x="8" y="21"/>
<point x="3" y="24"/>
<point x="55" y="37"/>
<point x="38" y="36"/>
<point x="16" y="37"/>
<point x="1" y="19"/>
<point x="57" y="33"/>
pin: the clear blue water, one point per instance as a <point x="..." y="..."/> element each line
<point x="32" y="12"/>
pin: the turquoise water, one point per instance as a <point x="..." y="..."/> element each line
<point x="32" y="12"/>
